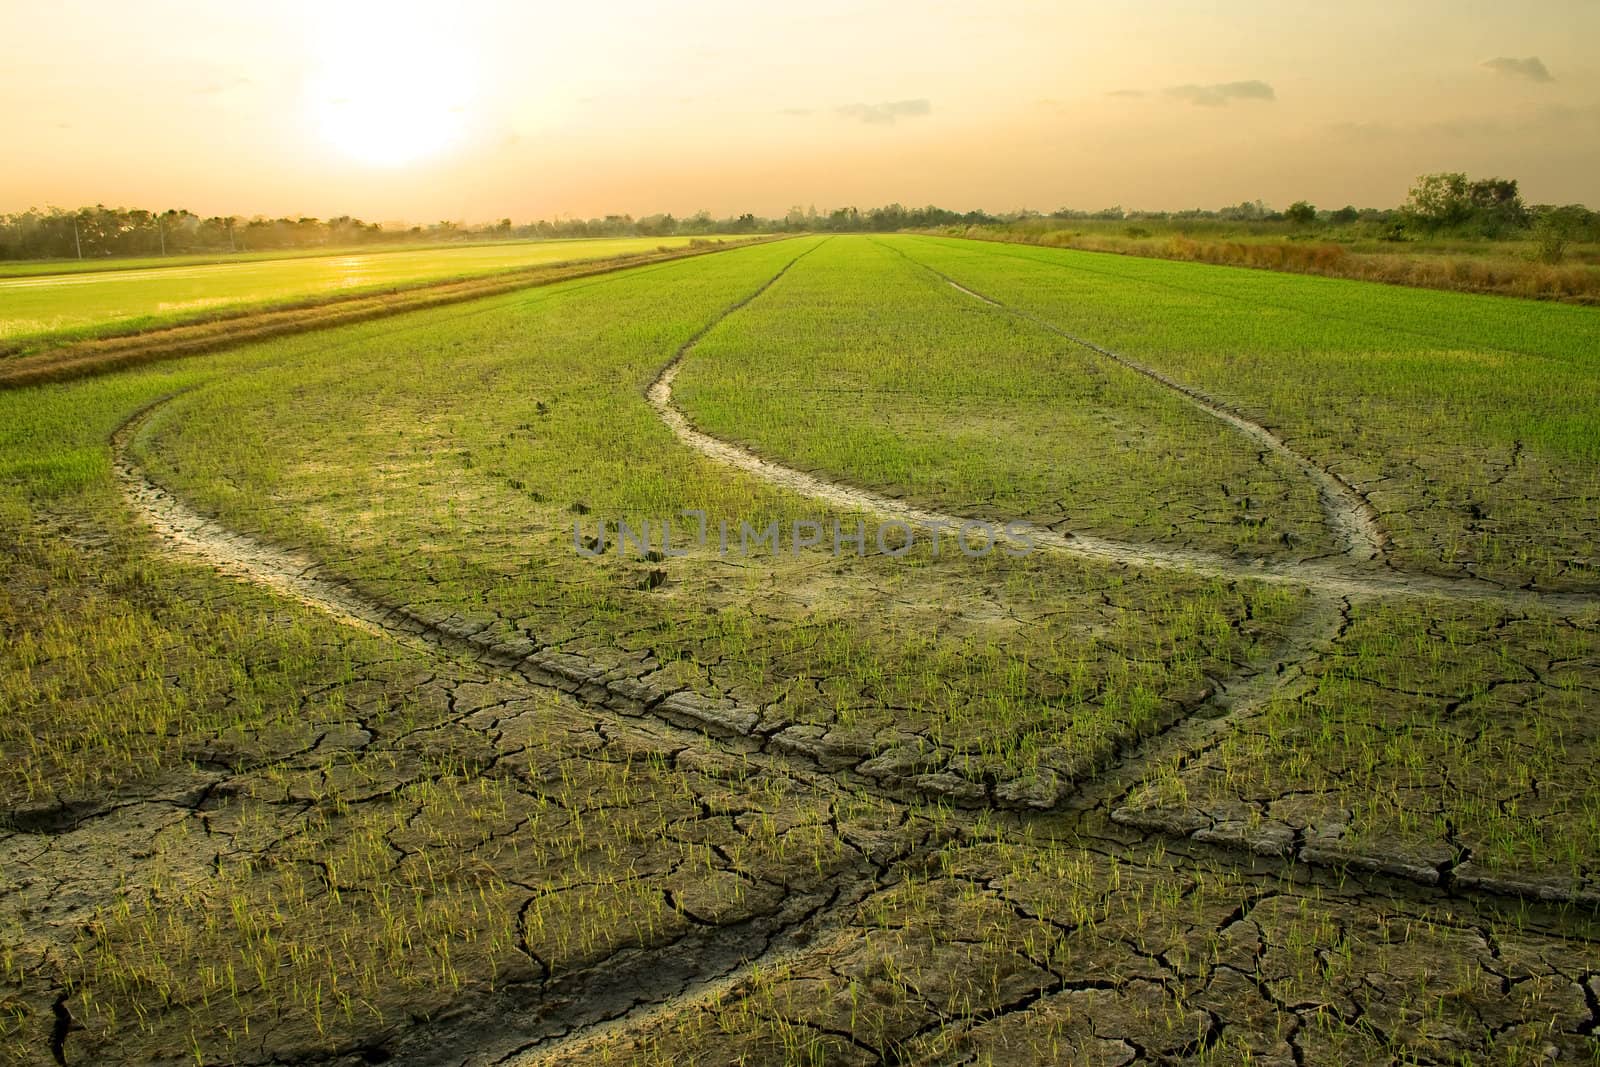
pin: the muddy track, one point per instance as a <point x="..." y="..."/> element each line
<point x="523" y="1019"/>
<point x="1361" y="575"/>
<point x="1335" y="579"/>
<point x="1350" y="515"/>
<point x="1280" y="673"/>
<point x="621" y="691"/>
<point x="627" y="993"/>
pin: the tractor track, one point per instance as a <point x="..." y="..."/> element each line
<point x="1358" y="572"/>
<point x="1349" y="513"/>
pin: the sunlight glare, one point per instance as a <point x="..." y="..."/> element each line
<point x="395" y="90"/>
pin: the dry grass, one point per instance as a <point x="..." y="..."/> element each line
<point x="1504" y="274"/>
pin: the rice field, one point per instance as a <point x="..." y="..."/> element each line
<point x="38" y="306"/>
<point x="846" y="649"/>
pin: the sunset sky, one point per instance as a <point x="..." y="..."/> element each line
<point x="477" y="109"/>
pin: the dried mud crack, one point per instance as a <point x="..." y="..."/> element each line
<point x="1362" y="575"/>
<point x="825" y="934"/>
<point x="620" y="691"/>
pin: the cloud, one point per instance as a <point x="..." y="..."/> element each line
<point x="1531" y="68"/>
<point x="886" y="114"/>
<point x="1222" y="93"/>
<point x="1126" y="92"/>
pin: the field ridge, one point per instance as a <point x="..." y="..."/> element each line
<point x="20" y="366"/>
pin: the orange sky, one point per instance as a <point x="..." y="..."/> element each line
<point x="477" y="109"/>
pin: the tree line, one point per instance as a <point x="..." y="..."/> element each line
<point x="100" y="231"/>
<point x="1447" y="203"/>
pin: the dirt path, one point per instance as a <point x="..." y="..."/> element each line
<point x="1352" y="517"/>
<point x="1357" y="574"/>
<point x="620" y="689"/>
<point x="634" y="999"/>
<point x="633" y="985"/>
<point x="680" y="713"/>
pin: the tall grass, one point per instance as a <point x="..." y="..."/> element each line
<point x="1489" y="269"/>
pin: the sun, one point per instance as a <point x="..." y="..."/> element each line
<point x="395" y="94"/>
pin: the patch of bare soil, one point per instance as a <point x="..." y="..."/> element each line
<point x="1059" y="930"/>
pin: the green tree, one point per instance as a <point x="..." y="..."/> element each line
<point x="1448" y="199"/>
<point x="700" y="222"/>
<point x="1557" y="227"/>
<point x="1301" y="213"/>
<point x="1497" y="205"/>
<point x="657" y="225"/>
<point x="1439" y="200"/>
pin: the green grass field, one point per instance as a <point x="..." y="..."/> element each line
<point x="19" y="268"/>
<point x="151" y="293"/>
<point x="330" y="734"/>
<point x="1467" y="421"/>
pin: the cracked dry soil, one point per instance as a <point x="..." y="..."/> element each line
<point x="601" y="867"/>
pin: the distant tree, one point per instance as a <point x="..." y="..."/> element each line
<point x="885" y="219"/>
<point x="1301" y="213"/>
<point x="1555" y="228"/>
<point x="1247" y="211"/>
<point x="1495" y="194"/>
<point x="1497" y="205"/>
<point x="700" y="222"/>
<point x="1450" y="201"/>
<point x="1439" y="200"/>
<point x="657" y="226"/>
<point x="1488" y="206"/>
<point x="844" y="218"/>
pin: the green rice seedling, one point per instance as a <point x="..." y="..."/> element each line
<point x="237" y="828"/>
<point x="1468" y="420"/>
